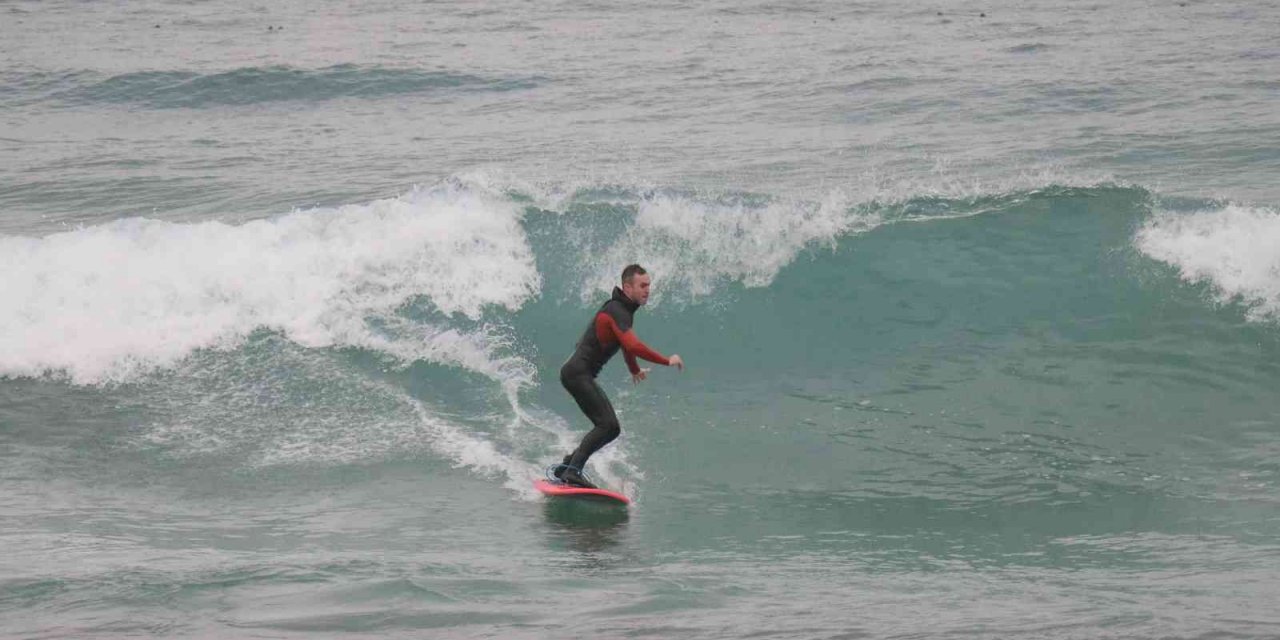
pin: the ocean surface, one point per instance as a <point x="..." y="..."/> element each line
<point x="980" y="304"/>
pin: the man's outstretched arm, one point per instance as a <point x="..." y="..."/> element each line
<point x="608" y="331"/>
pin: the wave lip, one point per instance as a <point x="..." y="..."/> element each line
<point x="1235" y="249"/>
<point x="249" y="86"/>
<point x="695" y="243"/>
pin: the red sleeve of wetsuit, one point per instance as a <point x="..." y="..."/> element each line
<point x="607" y="331"/>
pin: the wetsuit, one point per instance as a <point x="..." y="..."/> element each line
<point x="608" y="331"/>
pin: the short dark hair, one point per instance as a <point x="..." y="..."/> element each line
<point x="631" y="272"/>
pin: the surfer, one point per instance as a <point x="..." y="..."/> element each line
<point x="609" y="330"/>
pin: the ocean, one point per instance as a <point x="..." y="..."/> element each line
<point x="980" y="306"/>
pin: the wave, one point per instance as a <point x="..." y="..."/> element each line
<point x="247" y="86"/>
<point x="698" y="243"/>
<point x="110" y="302"/>
<point x="1233" y="248"/>
<point x="1031" y="47"/>
<point x="420" y="324"/>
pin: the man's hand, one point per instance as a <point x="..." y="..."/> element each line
<point x="636" y="378"/>
<point x="676" y="361"/>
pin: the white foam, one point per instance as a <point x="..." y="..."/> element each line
<point x="353" y="420"/>
<point x="693" y="246"/>
<point x="1234" y="248"/>
<point x="106" y="303"/>
<point x="304" y="407"/>
<point x="484" y="350"/>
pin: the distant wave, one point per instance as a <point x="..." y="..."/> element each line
<point x="253" y="85"/>
<point x="1032" y="47"/>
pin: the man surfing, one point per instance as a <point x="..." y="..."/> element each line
<point x="609" y="330"/>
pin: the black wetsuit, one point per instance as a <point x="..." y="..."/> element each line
<point x="609" y="330"/>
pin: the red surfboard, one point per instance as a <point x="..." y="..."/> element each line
<point x="561" y="490"/>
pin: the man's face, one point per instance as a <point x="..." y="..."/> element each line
<point x="637" y="289"/>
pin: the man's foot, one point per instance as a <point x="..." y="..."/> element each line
<point x="573" y="478"/>
<point x="559" y="472"/>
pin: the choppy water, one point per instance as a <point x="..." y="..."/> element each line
<point x="981" y="306"/>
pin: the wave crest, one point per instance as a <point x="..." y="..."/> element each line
<point x="1234" y="248"/>
<point x="109" y="302"/>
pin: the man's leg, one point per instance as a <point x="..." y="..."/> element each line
<point x="605" y="427"/>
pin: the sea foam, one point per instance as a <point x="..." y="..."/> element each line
<point x="109" y="302"/>
<point x="695" y="245"/>
<point x="1235" y="249"/>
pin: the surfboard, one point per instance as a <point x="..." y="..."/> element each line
<point x="561" y="490"/>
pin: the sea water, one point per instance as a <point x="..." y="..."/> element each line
<point x="980" y="305"/>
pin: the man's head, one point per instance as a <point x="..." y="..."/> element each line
<point x="635" y="283"/>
